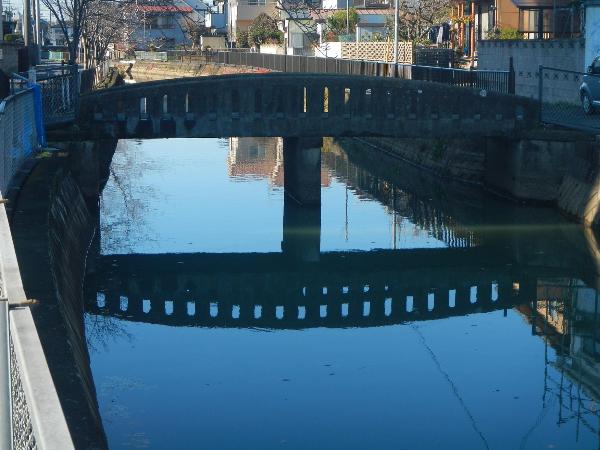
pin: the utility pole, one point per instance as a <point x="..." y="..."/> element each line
<point x="1" y="22"/>
<point x="396" y="32"/>
<point x="26" y="25"/>
<point x="347" y="16"/>
<point x="38" y="24"/>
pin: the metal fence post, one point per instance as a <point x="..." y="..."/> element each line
<point x="5" y="379"/>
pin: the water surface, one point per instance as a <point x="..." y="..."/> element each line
<point x="433" y="316"/>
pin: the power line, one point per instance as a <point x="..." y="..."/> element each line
<point x="451" y="383"/>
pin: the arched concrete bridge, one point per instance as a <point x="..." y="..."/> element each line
<point x="302" y="105"/>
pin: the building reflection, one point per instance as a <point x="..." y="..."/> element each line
<point x="566" y="316"/>
<point x="256" y="157"/>
<point x="260" y="158"/>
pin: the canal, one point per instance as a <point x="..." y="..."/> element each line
<point x="404" y="313"/>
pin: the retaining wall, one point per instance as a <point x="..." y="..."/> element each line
<point x="150" y="70"/>
<point x="579" y="192"/>
<point x="51" y="234"/>
<point x="528" y="55"/>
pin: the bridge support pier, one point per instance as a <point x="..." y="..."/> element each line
<point x="301" y="231"/>
<point x="302" y="202"/>
<point x="302" y="170"/>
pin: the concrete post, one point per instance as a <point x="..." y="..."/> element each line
<point x="592" y="32"/>
<point x="302" y="170"/>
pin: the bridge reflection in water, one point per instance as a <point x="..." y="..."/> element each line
<point x="481" y="269"/>
<point x="302" y="287"/>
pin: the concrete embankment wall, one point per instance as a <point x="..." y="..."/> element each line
<point x="70" y="229"/>
<point x="52" y="227"/>
<point x="153" y="70"/>
<point x="461" y="159"/>
<point x="579" y="192"/>
<point x="557" y="168"/>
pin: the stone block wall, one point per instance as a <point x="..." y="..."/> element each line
<point x="528" y="55"/>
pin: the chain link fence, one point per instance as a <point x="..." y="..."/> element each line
<point x="60" y="87"/>
<point x="18" y="133"/>
<point x="561" y="98"/>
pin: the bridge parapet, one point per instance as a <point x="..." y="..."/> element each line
<point x="301" y="105"/>
<point x="346" y="305"/>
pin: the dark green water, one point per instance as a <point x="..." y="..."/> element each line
<point x="429" y="315"/>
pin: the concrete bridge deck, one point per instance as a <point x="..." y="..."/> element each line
<point x="302" y="105"/>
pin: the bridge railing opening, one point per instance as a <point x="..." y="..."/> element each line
<point x="563" y="95"/>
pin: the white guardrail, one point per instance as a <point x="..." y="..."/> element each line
<point x="31" y="416"/>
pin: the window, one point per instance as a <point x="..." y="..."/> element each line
<point x="549" y="23"/>
<point x="162" y="21"/>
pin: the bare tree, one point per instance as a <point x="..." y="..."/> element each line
<point x="107" y="23"/>
<point x="94" y="24"/>
<point x="70" y="14"/>
<point x="416" y="17"/>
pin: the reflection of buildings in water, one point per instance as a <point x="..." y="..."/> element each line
<point x="260" y="158"/>
<point x="256" y="157"/>
<point x="399" y="203"/>
<point x="567" y="318"/>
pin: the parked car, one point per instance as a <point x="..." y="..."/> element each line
<point x="589" y="92"/>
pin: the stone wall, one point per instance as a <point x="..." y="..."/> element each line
<point x="528" y="55"/>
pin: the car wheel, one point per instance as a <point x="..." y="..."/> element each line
<point x="586" y="103"/>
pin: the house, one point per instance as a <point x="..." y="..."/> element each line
<point x="549" y="19"/>
<point x="372" y="20"/>
<point x="56" y="35"/>
<point x="517" y="19"/>
<point x="241" y="13"/>
<point x="216" y="18"/>
<point x="166" y="26"/>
